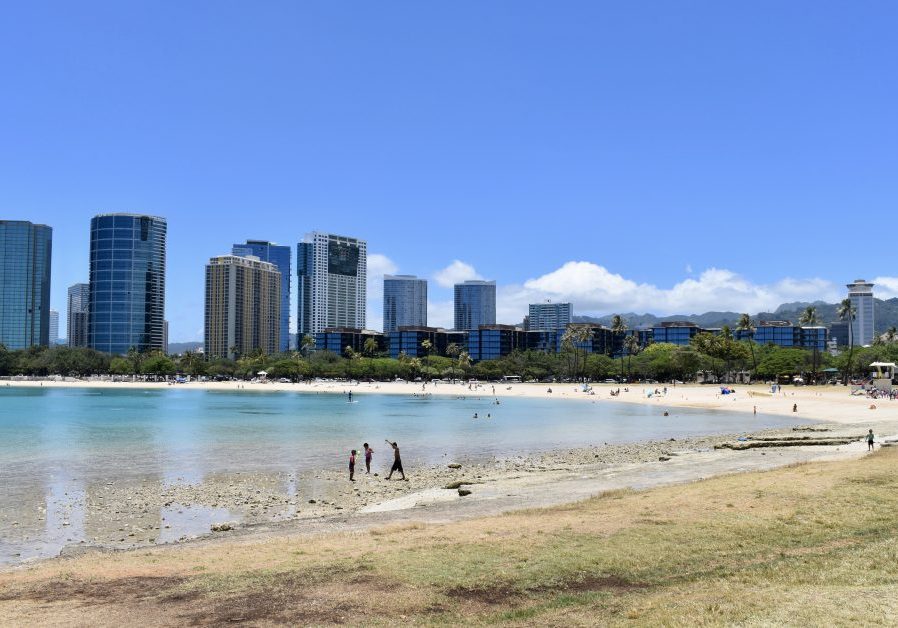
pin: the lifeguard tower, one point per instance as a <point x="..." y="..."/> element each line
<point x="882" y="373"/>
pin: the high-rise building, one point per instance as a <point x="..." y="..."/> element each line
<point x="475" y="304"/>
<point x="280" y="257"/>
<point x="243" y="307"/>
<point x="126" y="308"/>
<point x="332" y="272"/>
<point x="25" y="254"/>
<point x="76" y="330"/>
<point x="549" y="315"/>
<point x="54" y="328"/>
<point x="405" y="302"/>
<point x="165" y="338"/>
<point x="861" y="294"/>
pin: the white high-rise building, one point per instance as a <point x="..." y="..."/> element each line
<point x="861" y="294"/>
<point x="550" y="315"/>
<point x="332" y="272"/>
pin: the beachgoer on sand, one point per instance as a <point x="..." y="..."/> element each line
<point x="352" y="465"/>
<point x="397" y="461"/>
<point x="870" y="440"/>
<point x="368" y="452"/>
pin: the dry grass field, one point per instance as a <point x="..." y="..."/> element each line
<point x="809" y="544"/>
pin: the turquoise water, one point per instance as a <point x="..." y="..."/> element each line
<point x="184" y="434"/>
<point x="60" y="448"/>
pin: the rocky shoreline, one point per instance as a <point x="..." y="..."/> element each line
<point x="128" y="514"/>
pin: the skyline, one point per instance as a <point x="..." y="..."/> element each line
<point x="659" y="158"/>
<point x="563" y="284"/>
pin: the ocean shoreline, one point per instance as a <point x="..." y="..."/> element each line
<point x="124" y="514"/>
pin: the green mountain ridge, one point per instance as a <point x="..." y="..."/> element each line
<point x="885" y="314"/>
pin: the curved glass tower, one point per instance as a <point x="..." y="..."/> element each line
<point x="127" y="283"/>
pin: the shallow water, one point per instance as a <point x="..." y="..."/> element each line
<point x="58" y="443"/>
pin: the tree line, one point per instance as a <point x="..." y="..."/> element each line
<point x="719" y="355"/>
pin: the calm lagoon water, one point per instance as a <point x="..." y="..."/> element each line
<point x="181" y="433"/>
<point x="60" y="446"/>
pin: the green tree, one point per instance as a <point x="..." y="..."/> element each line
<point x="847" y="312"/>
<point x="369" y="348"/>
<point x="572" y="341"/>
<point x="307" y="344"/>
<point x="618" y="329"/>
<point x="159" y="364"/>
<point x="747" y="324"/>
<point x="631" y="346"/>
<point x="809" y="318"/>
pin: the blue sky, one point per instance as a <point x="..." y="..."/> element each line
<point x="652" y="156"/>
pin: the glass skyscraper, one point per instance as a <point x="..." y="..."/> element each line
<point x="280" y="257"/>
<point x="405" y="302"/>
<point x="127" y="283"/>
<point x="475" y="304"/>
<point x="76" y="312"/>
<point x="25" y="254"/>
<point x="332" y="272"/>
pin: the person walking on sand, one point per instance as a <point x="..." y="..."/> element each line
<point x="368" y="452"/>
<point x="870" y="440"/>
<point x="352" y="465"/>
<point x="397" y="461"/>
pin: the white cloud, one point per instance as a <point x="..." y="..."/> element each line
<point x="595" y="290"/>
<point x="885" y="288"/>
<point x="378" y="266"/>
<point x="440" y="314"/>
<point x="454" y="273"/>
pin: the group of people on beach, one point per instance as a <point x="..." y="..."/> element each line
<point x="397" y="460"/>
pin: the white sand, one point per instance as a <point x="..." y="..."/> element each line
<point x="831" y="403"/>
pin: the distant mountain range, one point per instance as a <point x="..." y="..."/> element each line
<point x="885" y="313"/>
<point x="175" y="348"/>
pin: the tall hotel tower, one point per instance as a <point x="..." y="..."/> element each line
<point x="280" y="257"/>
<point x="79" y="295"/>
<point x="25" y="253"/>
<point x="405" y="302"/>
<point x="475" y="304"/>
<point x="243" y="307"/>
<point x="332" y="272"/>
<point x="861" y="294"/>
<point x="127" y="283"/>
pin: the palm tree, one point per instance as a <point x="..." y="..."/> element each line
<point x="891" y="335"/>
<point x="370" y="347"/>
<point x="426" y="346"/>
<point x="846" y="312"/>
<point x="453" y="350"/>
<point x="308" y="342"/>
<point x="618" y="328"/>
<point x="809" y="318"/>
<point x="748" y="325"/>
<point x="631" y="345"/>
<point x="575" y="336"/>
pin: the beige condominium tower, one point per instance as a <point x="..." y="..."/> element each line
<point x="243" y="307"/>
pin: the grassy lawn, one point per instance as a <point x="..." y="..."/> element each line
<point x="803" y="545"/>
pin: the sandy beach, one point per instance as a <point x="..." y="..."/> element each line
<point x="127" y="514"/>
<point x="830" y="403"/>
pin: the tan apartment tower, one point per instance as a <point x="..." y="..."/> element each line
<point x="243" y="307"/>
